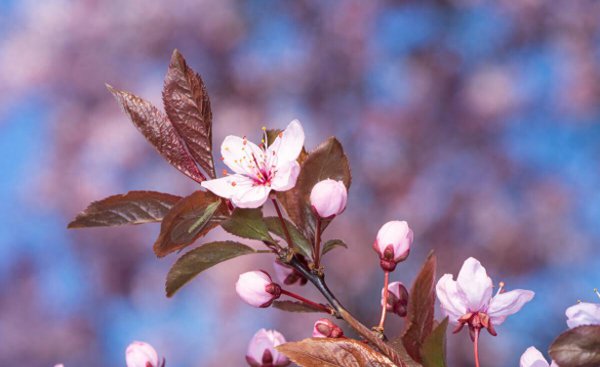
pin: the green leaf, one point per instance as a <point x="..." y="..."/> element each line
<point x="295" y="306"/>
<point x="135" y="207"/>
<point x="331" y="244"/>
<point x="188" y="107"/>
<point x="300" y="242"/>
<point x="159" y="131"/>
<point x="433" y="350"/>
<point x="248" y="223"/>
<point x="328" y="160"/>
<point x="191" y="218"/>
<point x="421" y="309"/>
<point x="326" y="352"/>
<point x="578" y="347"/>
<point x="197" y="260"/>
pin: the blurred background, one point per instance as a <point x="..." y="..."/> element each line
<point x="476" y="121"/>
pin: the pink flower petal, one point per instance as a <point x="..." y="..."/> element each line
<point x="289" y="145"/>
<point x="285" y="176"/>
<point x="583" y="313"/>
<point x="453" y="302"/>
<point x="533" y="358"/>
<point x="505" y="304"/>
<point x="238" y="154"/>
<point x="474" y="283"/>
<point x="247" y="194"/>
<point x="226" y="187"/>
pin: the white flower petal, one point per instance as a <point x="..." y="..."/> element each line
<point x="533" y="358"/>
<point x="508" y="303"/>
<point x="248" y="194"/>
<point x="475" y="285"/>
<point x="288" y="146"/>
<point x="583" y="313"/>
<point x="286" y="176"/>
<point x="238" y="154"/>
<point x="226" y="187"/>
<point x="451" y="298"/>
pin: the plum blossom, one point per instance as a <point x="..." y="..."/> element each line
<point x="325" y="328"/>
<point x="141" y="354"/>
<point x="328" y="198"/>
<point x="257" y="288"/>
<point x="262" y="352"/>
<point x="393" y="243"/>
<point x="468" y="299"/>
<point x="583" y="313"/>
<point x="534" y="358"/>
<point x="258" y="170"/>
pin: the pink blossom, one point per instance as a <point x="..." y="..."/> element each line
<point x="397" y="298"/>
<point x="393" y="243"/>
<point x="257" y="288"/>
<point x="325" y="328"/>
<point x="469" y="300"/>
<point x="534" y="358"/>
<point x="328" y="198"/>
<point x="140" y="354"/>
<point x="583" y="313"/>
<point x="262" y="352"/>
<point x="256" y="169"/>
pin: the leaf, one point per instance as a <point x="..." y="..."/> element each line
<point x="295" y="306"/>
<point x="397" y="345"/>
<point x="331" y="244"/>
<point x="433" y="350"/>
<point x="248" y="223"/>
<point x="326" y="352"/>
<point x="188" y="107"/>
<point x="300" y="242"/>
<point x="421" y="309"/>
<point x="191" y="218"/>
<point x="197" y="260"/>
<point x="159" y="131"/>
<point x="328" y="160"/>
<point x="135" y="207"/>
<point x="578" y="347"/>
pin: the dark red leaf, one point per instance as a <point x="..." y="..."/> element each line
<point x="188" y="107"/>
<point x="159" y="131"/>
<point x="577" y="347"/>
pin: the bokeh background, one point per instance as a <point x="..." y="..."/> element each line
<point x="476" y="121"/>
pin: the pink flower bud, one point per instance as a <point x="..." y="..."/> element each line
<point x="140" y="354"/>
<point x="397" y="298"/>
<point x="393" y="243"/>
<point x="288" y="275"/>
<point x="262" y="352"/>
<point x="324" y="328"/>
<point x="257" y="288"/>
<point x="328" y="198"/>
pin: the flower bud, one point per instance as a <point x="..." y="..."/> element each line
<point x="324" y="328"/>
<point x="257" y="288"/>
<point x="397" y="301"/>
<point x="140" y="354"/>
<point x="288" y="275"/>
<point x="328" y="198"/>
<point x="262" y="352"/>
<point x="393" y="243"/>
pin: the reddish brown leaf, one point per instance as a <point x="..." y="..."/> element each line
<point x="325" y="352"/>
<point x="188" y="107"/>
<point x="577" y="347"/>
<point x="159" y="131"/>
<point x="191" y="218"/>
<point x="135" y="207"/>
<point x="421" y="309"/>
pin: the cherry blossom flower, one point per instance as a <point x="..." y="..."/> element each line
<point x="141" y="354"/>
<point x="262" y="352"/>
<point x="534" y="358"/>
<point x="328" y="198"/>
<point x="397" y="301"/>
<point x="325" y="328"/>
<point x="468" y="299"/>
<point x="257" y="288"/>
<point x="258" y="170"/>
<point x="583" y="313"/>
<point x="393" y="243"/>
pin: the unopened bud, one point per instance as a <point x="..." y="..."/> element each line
<point x="257" y="288"/>
<point x="328" y="198"/>
<point x="393" y="243"/>
<point x="262" y="352"/>
<point x="140" y="354"/>
<point x="397" y="301"/>
<point x="324" y="328"/>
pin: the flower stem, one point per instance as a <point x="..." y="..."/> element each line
<point x="386" y="282"/>
<point x="317" y="249"/>
<point x="322" y="307"/>
<point x="476" y="347"/>
<point x="288" y="238"/>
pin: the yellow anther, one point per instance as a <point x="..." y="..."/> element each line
<point x="264" y="128"/>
